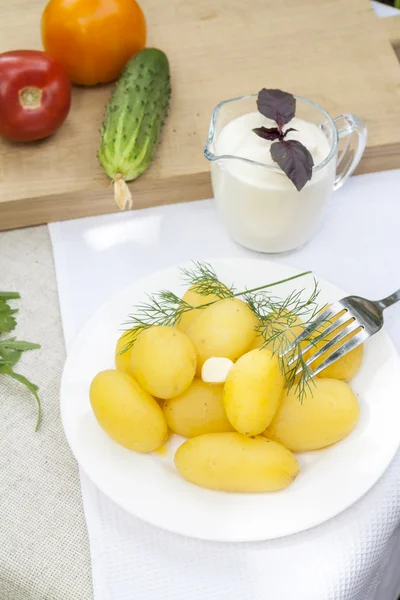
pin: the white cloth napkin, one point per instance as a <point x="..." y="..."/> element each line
<point x="382" y="10"/>
<point x="357" y="248"/>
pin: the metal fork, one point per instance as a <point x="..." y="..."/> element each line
<point x="362" y="319"/>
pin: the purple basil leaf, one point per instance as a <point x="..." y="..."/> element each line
<point x="288" y="130"/>
<point x="277" y="105"/>
<point x="295" y="160"/>
<point x="268" y="133"/>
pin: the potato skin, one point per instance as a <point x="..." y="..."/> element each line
<point x="232" y="462"/>
<point x="253" y="391"/>
<point x="227" y="328"/>
<point x="199" y="410"/>
<point x="163" y="361"/>
<point x="194" y="299"/>
<point x="328" y="413"/>
<point x="126" y="412"/>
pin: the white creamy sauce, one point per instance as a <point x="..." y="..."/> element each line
<point x="260" y="205"/>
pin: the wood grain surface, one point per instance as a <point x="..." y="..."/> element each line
<point x="336" y="52"/>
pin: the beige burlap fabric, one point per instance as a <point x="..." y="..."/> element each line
<point x="44" y="552"/>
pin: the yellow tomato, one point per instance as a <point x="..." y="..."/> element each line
<point x="93" y="39"/>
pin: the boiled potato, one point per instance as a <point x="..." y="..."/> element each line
<point x="197" y="411"/>
<point x="194" y="299"/>
<point x="295" y="329"/>
<point x="231" y="462"/>
<point x="253" y="391"/>
<point x="328" y="413"/>
<point x="223" y="329"/>
<point x="347" y="366"/>
<point x="128" y="414"/>
<point x="163" y="361"/>
<point x="123" y="362"/>
<point x="258" y="342"/>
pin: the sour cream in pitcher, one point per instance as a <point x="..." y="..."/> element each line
<point x="260" y="206"/>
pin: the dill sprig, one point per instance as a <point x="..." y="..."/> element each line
<point x="203" y="279"/>
<point x="277" y="316"/>
<point x="163" y="308"/>
<point x="166" y="308"/>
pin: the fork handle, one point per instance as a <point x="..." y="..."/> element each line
<point x="392" y="299"/>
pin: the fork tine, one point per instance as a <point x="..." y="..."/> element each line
<point x="321" y="336"/>
<point x="355" y="341"/>
<point x="342" y="334"/>
<point x="328" y="312"/>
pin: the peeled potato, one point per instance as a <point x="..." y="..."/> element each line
<point x="295" y="329"/>
<point x="231" y="462"/>
<point x="128" y="414"/>
<point x="258" y="342"/>
<point x="253" y="390"/>
<point x="346" y="367"/>
<point x="223" y="329"/>
<point x="123" y="362"/>
<point x="328" y="413"/>
<point x="194" y="299"/>
<point x="199" y="410"/>
<point x="163" y="361"/>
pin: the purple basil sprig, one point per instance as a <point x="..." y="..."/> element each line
<point x="295" y="160"/>
<point x="272" y="133"/>
<point x="292" y="156"/>
<point x="277" y="105"/>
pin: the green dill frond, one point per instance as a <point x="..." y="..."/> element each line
<point x="204" y="280"/>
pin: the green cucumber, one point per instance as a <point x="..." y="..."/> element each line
<point x="134" y="118"/>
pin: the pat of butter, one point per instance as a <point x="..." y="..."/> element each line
<point x="216" y="369"/>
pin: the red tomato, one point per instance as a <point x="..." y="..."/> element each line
<point x="35" y="95"/>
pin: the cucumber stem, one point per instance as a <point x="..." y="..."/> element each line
<point x="122" y="195"/>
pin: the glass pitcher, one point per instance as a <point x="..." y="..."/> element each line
<point x="258" y="204"/>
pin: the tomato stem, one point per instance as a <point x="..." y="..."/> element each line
<point x="30" y="98"/>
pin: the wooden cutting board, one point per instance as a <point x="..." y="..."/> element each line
<point x="335" y="52"/>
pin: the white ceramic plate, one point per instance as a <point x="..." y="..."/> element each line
<point x="149" y="487"/>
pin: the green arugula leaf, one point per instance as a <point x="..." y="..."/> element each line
<point x="9" y="356"/>
<point x="32" y="387"/>
<point x="7" y="321"/>
<point x="9" y="296"/>
<point x="12" y="349"/>
<point x="13" y="344"/>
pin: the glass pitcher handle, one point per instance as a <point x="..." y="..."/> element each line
<point x="355" y="131"/>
